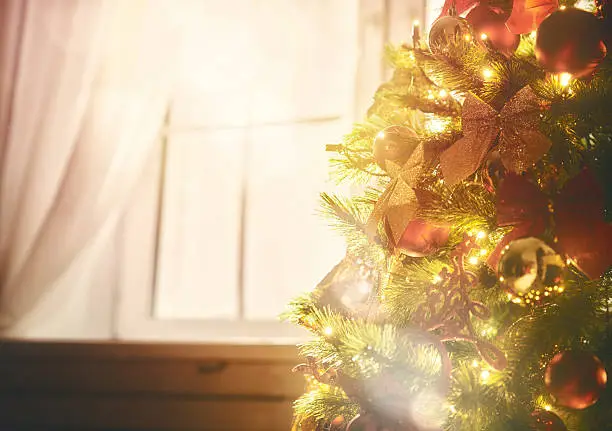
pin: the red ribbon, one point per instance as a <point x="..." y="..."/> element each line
<point x="582" y="232"/>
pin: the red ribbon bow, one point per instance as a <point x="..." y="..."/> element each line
<point x="582" y="232"/>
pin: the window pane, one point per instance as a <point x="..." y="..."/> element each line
<point x="288" y="248"/>
<point x="198" y="256"/>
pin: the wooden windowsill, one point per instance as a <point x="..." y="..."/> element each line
<point x="154" y="351"/>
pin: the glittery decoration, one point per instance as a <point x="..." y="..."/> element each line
<point x="398" y="203"/>
<point x="581" y="231"/>
<point x="520" y="145"/>
<point x="448" y="308"/>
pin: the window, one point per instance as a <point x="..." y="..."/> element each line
<point x="223" y="232"/>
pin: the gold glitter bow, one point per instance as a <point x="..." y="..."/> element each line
<point x="398" y="203"/>
<point x="520" y="142"/>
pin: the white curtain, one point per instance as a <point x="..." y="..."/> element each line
<point x="84" y="88"/>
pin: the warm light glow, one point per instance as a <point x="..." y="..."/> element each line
<point x="452" y="409"/>
<point x="328" y="331"/>
<point x="481" y="235"/>
<point x="547" y="407"/>
<point x="436" y="279"/>
<point x="484" y="36"/>
<point x="467" y="37"/>
<point x="381" y="134"/>
<point x="436" y="125"/>
<point x="533" y="34"/>
<point x="562" y="7"/>
<point x="484" y="375"/>
<point x="565" y="79"/>
<point x="501" y="278"/>
<point x="487" y="73"/>
<point x="473" y="260"/>
<point x="483" y="251"/>
<point x="474" y="363"/>
<point x="442" y="93"/>
<point x="517" y="300"/>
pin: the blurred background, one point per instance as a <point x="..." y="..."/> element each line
<point x="160" y="167"/>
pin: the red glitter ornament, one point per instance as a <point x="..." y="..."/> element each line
<point x="422" y="239"/>
<point x="487" y="21"/>
<point x="570" y="40"/>
<point x="542" y="420"/>
<point x="575" y="378"/>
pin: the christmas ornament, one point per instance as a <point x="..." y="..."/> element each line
<point x="449" y="310"/>
<point x="575" y="378"/>
<point x="394" y="143"/>
<point x="530" y="269"/>
<point x="422" y="239"/>
<point x="448" y="31"/>
<point x="582" y="233"/>
<point x="542" y="420"/>
<point x="349" y="288"/>
<point x="398" y="204"/>
<point x="521" y="144"/>
<point x="570" y="40"/>
<point x="527" y="15"/>
<point x="487" y="21"/>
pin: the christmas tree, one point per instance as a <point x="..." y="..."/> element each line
<point x="475" y="293"/>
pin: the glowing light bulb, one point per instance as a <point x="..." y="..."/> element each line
<point x="483" y="251"/>
<point x="484" y="375"/>
<point x="483" y="36"/>
<point x="452" y="409"/>
<point x="416" y="23"/>
<point x="562" y="7"/>
<point x="436" y="125"/>
<point x="533" y="34"/>
<point x="467" y="37"/>
<point x="565" y="79"/>
<point x="328" y="331"/>
<point x="487" y="73"/>
<point x="442" y="93"/>
<point x="473" y="260"/>
<point x="436" y="279"/>
<point x="481" y="234"/>
<point x="475" y="363"/>
<point x="547" y="407"/>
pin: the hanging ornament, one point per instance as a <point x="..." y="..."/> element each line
<point x="490" y="26"/>
<point x="349" y="289"/>
<point x="398" y="204"/>
<point x="514" y="130"/>
<point x="422" y="239"/>
<point x="394" y="143"/>
<point x="575" y="378"/>
<point x="542" y="420"/>
<point x="581" y="231"/>
<point x="337" y="424"/>
<point x="531" y="270"/>
<point x="527" y="15"/>
<point x="448" y="31"/>
<point x="570" y="40"/>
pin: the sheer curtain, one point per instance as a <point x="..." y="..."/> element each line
<point x="84" y="87"/>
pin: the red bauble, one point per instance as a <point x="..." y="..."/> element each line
<point x="570" y="40"/>
<point x="485" y="20"/>
<point x="541" y="420"/>
<point x="422" y="239"/>
<point x="575" y="378"/>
